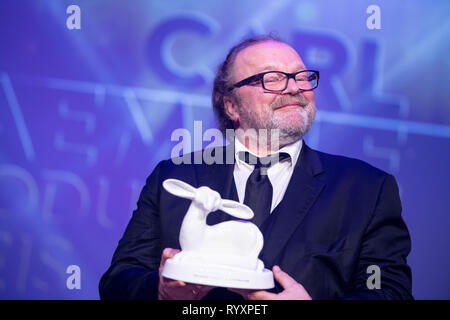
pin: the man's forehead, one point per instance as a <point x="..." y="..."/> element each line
<point x="268" y="55"/>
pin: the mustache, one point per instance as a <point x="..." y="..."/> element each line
<point x="283" y="100"/>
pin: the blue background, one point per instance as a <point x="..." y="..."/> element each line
<point x="86" y="114"/>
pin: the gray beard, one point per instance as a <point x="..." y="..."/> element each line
<point x="269" y="119"/>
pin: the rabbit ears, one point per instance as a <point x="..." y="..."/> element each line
<point x="183" y="190"/>
<point x="180" y="189"/>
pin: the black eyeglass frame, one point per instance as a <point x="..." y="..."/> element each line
<point x="260" y="77"/>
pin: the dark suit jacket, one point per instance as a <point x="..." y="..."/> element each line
<point x="338" y="216"/>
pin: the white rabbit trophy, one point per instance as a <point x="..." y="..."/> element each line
<point x="223" y="255"/>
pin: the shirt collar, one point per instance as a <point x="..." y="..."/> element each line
<point x="292" y="149"/>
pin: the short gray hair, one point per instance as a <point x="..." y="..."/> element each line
<point x="222" y="81"/>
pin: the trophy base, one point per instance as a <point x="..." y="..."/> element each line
<point x="219" y="276"/>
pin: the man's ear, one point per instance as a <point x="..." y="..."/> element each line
<point x="231" y="108"/>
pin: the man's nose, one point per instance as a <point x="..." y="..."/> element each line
<point x="292" y="87"/>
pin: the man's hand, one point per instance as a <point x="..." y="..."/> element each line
<point x="170" y="289"/>
<point x="292" y="289"/>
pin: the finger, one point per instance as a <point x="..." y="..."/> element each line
<point x="262" y="295"/>
<point x="173" y="283"/>
<point x="283" y="278"/>
<point x="202" y="287"/>
<point x="199" y="289"/>
<point x="167" y="254"/>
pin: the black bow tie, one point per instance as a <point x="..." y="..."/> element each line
<point x="263" y="162"/>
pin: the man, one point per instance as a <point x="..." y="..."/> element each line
<point x="329" y="221"/>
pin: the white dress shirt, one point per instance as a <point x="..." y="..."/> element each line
<point x="279" y="174"/>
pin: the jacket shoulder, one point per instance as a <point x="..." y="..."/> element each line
<point x="342" y="165"/>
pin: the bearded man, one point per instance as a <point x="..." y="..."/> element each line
<point x="328" y="221"/>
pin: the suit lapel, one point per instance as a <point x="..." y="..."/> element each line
<point x="219" y="177"/>
<point x="303" y="189"/>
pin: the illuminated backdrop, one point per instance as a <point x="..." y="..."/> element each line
<point x="86" y="114"/>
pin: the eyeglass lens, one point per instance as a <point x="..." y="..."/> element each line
<point x="278" y="81"/>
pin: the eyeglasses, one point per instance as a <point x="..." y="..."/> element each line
<point x="278" y="81"/>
